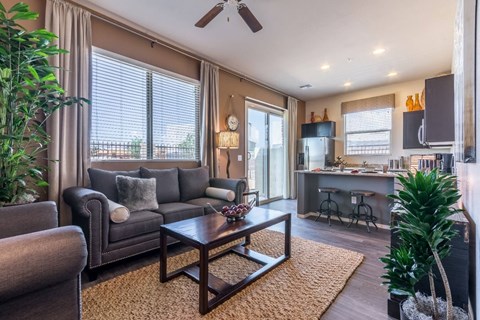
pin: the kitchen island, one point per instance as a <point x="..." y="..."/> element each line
<point x="308" y="197"/>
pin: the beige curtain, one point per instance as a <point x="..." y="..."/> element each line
<point x="291" y="154"/>
<point x="209" y="116"/>
<point x="68" y="150"/>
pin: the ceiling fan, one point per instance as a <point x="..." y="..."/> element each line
<point x="243" y="11"/>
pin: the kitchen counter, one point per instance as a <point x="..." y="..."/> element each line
<point x="348" y="173"/>
<point x="308" y="197"/>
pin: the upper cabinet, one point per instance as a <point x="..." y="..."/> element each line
<point x="439" y="111"/>
<point x="413" y="130"/>
<point x="318" y="129"/>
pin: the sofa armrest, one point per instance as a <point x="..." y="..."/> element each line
<point x="37" y="260"/>
<point x="27" y="218"/>
<point x="90" y="211"/>
<point x="78" y="198"/>
<point x="236" y="185"/>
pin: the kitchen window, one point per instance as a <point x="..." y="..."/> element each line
<point x="139" y="112"/>
<point x="368" y="132"/>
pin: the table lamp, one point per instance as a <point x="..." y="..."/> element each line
<point x="228" y="140"/>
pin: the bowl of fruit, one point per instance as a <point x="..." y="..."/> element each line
<point x="235" y="212"/>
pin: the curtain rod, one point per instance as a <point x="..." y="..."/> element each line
<point x="163" y="43"/>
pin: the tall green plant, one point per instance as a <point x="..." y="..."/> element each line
<point x="29" y="94"/>
<point x="426" y="202"/>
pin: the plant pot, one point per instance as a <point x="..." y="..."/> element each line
<point x="458" y="313"/>
<point x="341" y="167"/>
<point x="403" y="316"/>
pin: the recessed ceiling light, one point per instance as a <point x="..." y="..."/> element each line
<point x="347" y="84"/>
<point x="378" y="51"/>
<point x="392" y="74"/>
<point x="306" y="86"/>
<point x="325" y="67"/>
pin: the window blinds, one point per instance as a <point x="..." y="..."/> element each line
<point x="380" y="102"/>
<point x="138" y="113"/>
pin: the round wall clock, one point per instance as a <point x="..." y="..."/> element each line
<point x="232" y="122"/>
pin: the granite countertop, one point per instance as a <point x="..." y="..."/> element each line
<point x="348" y="173"/>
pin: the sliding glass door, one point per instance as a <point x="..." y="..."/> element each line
<point x="265" y="151"/>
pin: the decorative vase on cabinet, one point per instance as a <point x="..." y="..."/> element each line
<point x="417" y="105"/>
<point x="409" y="103"/>
<point x="325" y="115"/>
<point x="312" y="117"/>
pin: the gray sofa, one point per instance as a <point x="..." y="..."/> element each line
<point x="180" y="195"/>
<point x="40" y="264"/>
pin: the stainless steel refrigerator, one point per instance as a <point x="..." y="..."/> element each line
<point x="313" y="153"/>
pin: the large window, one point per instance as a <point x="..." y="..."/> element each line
<point x="140" y="113"/>
<point x="368" y="132"/>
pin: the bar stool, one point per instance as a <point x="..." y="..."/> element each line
<point x="368" y="215"/>
<point x="328" y="205"/>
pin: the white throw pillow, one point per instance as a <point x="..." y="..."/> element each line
<point x="118" y="213"/>
<point x="223" y="194"/>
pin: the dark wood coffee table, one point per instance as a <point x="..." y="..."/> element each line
<point x="212" y="231"/>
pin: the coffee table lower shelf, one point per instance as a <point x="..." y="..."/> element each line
<point x="198" y="271"/>
<point x="223" y="290"/>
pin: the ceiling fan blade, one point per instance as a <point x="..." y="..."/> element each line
<point x="249" y="18"/>
<point x="210" y="15"/>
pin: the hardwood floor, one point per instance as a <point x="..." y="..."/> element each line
<point x="362" y="298"/>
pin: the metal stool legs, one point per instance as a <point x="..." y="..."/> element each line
<point x="368" y="215"/>
<point x="328" y="210"/>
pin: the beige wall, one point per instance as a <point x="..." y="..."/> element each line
<point x="111" y="38"/>
<point x="240" y="88"/>
<point x="115" y="39"/>
<point x="36" y="6"/>
<point x="401" y="91"/>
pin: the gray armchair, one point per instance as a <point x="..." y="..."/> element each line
<point x="40" y="264"/>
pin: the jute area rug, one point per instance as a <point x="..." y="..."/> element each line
<point x="301" y="288"/>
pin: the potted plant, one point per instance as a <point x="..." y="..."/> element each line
<point x="340" y="163"/>
<point x="424" y="230"/>
<point x="29" y="94"/>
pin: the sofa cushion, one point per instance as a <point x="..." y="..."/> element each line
<point x="104" y="181"/>
<point x="137" y="194"/>
<point x="193" y="183"/>
<point x="140" y="222"/>
<point x="168" y="189"/>
<point x="176" y="211"/>
<point x="216" y="203"/>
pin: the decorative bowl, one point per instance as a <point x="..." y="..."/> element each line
<point x="235" y="212"/>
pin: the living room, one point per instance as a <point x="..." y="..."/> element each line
<point x="242" y="104"/>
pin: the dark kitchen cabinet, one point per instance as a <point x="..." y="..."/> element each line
<point x="319" y="129"/>
<point x="439" y="110"/>
<point x="412" y="131"/>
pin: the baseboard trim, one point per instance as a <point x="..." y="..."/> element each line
<point x="315" y="214"/>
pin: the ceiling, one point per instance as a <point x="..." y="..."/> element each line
<point x="298" y="37"/>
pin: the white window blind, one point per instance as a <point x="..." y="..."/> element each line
<point x="368" y="132"/>
<point x="138" y="113"/>
<point x="175" y="118"/>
